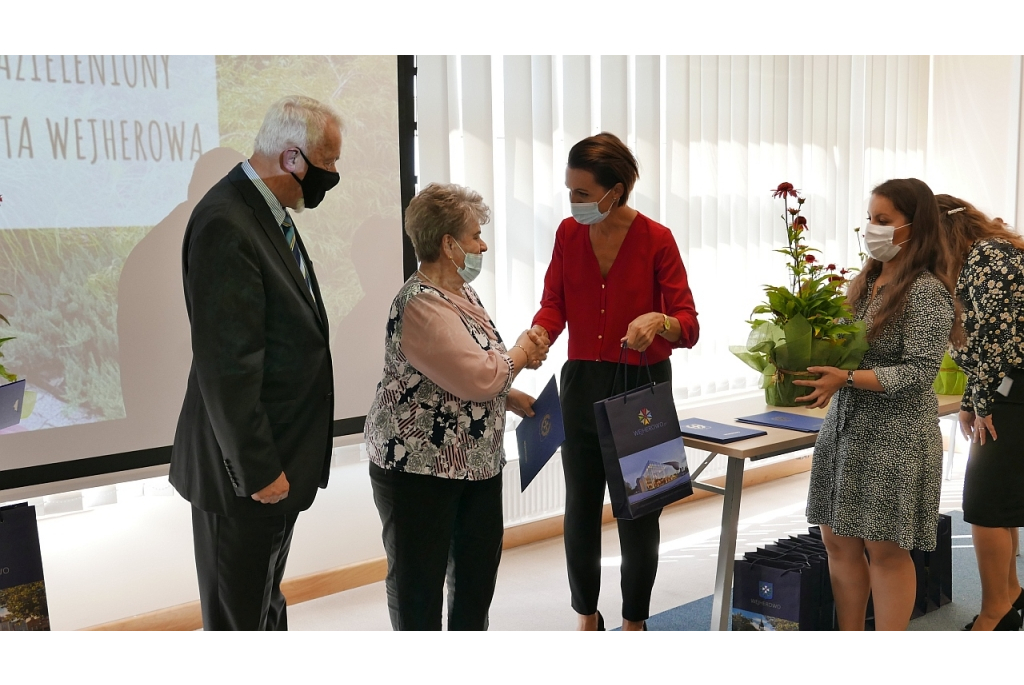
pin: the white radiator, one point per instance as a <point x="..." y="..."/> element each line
<point x="544" y="498"/>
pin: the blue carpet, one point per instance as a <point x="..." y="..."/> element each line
<point x="696" y="615"/>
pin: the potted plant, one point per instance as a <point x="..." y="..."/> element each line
<point x="24" y="400"/>
<point x="808" y="321"/>
<point x="4" y="374"/>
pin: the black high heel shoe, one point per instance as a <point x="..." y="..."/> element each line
<point x="1011" y="621"/>
<point x="1018" y="606"/>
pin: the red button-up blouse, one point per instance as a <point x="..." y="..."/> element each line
<point x="647" y="276"/>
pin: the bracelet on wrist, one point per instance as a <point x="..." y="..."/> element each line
<point x="524" y="352"/>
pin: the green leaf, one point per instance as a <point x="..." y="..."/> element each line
<point x="798" y="342"/>
<point x="755" y="361"/>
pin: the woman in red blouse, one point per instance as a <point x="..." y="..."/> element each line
<point x="615" y="277"/>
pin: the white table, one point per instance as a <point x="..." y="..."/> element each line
<point x="777" y="441"/>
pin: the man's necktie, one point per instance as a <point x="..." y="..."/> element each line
<point x="293" y="244"/>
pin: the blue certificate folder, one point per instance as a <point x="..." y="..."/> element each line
<point x="716" y="432"/>
<point x="785" y="419"/>
<point x="11" y="397"/>
<point x="539" y="436"/>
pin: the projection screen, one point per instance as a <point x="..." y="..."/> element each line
<point x="102" y="159"/>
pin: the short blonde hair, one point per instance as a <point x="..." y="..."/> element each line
<point x="294" y="121"/>
<point x="442" y="209"/>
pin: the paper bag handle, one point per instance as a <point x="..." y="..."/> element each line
<point x="623" y="357"/>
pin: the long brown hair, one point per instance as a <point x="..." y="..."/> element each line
<point x="927" y="250"/>
<point x="964" y="224"/>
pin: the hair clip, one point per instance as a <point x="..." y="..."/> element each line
<point x="954" y="211"/>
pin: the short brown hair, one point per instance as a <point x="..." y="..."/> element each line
<point x="438" y="210"/>
<point x="609" y="160"/>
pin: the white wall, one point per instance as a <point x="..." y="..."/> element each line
<point x="974" y="135"/>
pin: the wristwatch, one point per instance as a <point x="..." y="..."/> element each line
<point x="849" y="379"/>
<point x="668" y="326"/>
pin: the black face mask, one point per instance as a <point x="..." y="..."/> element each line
<point x="316" y="183"/>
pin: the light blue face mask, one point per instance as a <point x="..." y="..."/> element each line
<point x="474" y="264"/>
<point x="588" y="213"/>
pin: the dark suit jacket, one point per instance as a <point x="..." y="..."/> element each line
<point x="260" y="396"/>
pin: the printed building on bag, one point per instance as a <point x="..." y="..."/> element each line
<point x="656" y="475"/>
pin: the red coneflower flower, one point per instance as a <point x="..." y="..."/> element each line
<point x="784" y="189"/>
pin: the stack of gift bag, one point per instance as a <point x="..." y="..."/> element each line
<point x="786" y="585"/>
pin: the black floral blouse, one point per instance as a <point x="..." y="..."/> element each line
<point x="416" y="426"/>
<point x="991" y="288"/>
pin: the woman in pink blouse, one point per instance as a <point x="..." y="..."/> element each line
<point x="435" y="431"/>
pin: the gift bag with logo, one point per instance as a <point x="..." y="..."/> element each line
<point x="642" y="448"/>
<point x="22" y="592"/>
<point x="820" y="612"/>
<point x="773" y="594"/>
<point x="951" y="380"/>
<point x="784" y="586"/>
<point x="935" y="571"/>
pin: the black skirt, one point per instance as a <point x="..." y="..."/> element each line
<point x="994" y="481"/>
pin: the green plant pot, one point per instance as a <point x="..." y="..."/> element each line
<point x="781" y="392"/>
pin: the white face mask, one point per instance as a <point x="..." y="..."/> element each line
<point x="474" y="264"/>
<point x="878" y="241"/>
<point x="588" y="213"/>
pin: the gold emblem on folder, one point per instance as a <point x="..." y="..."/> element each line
<point x="545" y="426"/>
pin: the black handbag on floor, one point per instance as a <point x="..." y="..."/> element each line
<point x="22" y="591"/>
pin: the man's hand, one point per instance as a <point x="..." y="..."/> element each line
<point x="273" y="493"/>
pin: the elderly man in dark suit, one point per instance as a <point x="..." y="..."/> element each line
<point x="254" y="437"/>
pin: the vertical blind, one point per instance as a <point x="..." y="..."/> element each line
<point x="713" y="136"/>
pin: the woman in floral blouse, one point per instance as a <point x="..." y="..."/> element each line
<point x="990" y="266"/>
<point x="435" y="431"/>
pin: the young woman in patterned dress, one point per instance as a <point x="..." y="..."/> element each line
<point x="877" y="467"/>
<point x="989" y="268"/>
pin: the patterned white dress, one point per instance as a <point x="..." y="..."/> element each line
<point x="877" y="467"/>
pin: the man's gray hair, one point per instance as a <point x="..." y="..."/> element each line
<point x="294" y="121"/>
<point x="442" y="209"/>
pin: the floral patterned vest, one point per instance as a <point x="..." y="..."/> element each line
<point x="416" y="426"/>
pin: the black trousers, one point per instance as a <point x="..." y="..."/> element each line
<point x="438" y="529"/>
<point x="583" y="384"/>
<point x="240" y="563"/>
